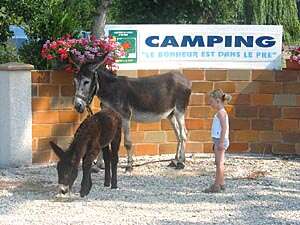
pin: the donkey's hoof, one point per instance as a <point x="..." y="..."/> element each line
<point x="179" y="166"/>
<point x="114" y="187"/>
<point x="106" y="184"/>
<point x="172" y="164"/>
<point x="128" y="169"/>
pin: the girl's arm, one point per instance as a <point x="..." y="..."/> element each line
<point x="222" y="117"/>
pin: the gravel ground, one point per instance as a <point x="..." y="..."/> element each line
<point x="259" y="191"/>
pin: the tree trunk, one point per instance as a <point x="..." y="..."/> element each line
<point x="100" y="18"/>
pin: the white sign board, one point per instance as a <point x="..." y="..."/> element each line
<point x="199" y="46"/>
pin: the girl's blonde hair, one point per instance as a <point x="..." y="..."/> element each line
<point x="219" y="94"/>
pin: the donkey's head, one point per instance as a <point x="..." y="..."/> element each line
<point x="66" y="169"/>
<point x="86" y="83"/>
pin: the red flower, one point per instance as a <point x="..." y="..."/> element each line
<point x="49" y="57"/>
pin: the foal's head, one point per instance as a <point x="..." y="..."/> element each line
<point x="66" y="169"/>
<point x="86" y="84"/>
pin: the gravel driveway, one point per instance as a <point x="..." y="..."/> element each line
<point x="259" y="191"/>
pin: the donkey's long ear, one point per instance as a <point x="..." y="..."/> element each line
<point x="57" y="150"/>
<point x="74" y="60"/>
<point x="98" y="62"/>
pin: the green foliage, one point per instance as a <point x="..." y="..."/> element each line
<point x="8" y="53"/>
<point x="282" y="12"/>
<point x="30" y="53"/>
<point x="182" y="12"/>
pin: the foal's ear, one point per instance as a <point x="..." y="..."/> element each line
<point x="57" y="150"/>
<point x="98" y="62"/>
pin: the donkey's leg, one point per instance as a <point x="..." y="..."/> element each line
<point x="100" y="162"/>
<point x="175" y="126"/>
<point x="128" y="144"/>
<point x="86" y="182"/>
<point x="107" y="160"/>
<point x="115" y="145"/>
<point x="182" y="139"/>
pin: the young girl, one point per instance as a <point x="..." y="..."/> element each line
<point x="220" y="137"/>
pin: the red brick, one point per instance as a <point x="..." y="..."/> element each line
<point x="68" y="116"/>
<point x="41" y="157"/>
<point x="169" y="148"/>
<point x="284" y="149"/>
<point x="240" y="99"/>
<point x="269" y="112"/>
<point x="45" y="117"/>
<point x="246" y="111"/>
<point x="291" y="112"/>
<point x="238" y="147"/>
<point x="171" y="137"/>
<point x="34" y="90"/>
<point x="208" y="147"/>
<point x="194" y="74"/>
<point x="286" y="75"/>
<point x="62" y="129"/>
<point x="137" y="137"/>
<point x="41" y="130"/>
<point x="269" y="136"/>
<point x="40" y="76"/>
<point x="263" y="75"/>
<point x="146" y="149"/>
<point x="261" y="148"/>
<point x="262" y="124"/>
<point x="226" y="86"/>
<point x="216" y="75"/>
<point x="270" y="87"/>
<point x="291" y="137"/>
<point x="239" y="124"/>
<point x="239" y="74"/>
<point x="200" y="112"/>
<point x="196" y="124"/>
<point x="149" y="126"/>
<point x="67" y="90"/>
<point x="285" y="124"/>
<point x="200" y="135"/>
<point x="291" y="88"/>
<point x="202" y="87"/>
<point x="194" y="147"/>
<point x="245" y="87"/>
<point x="43" y="143"/>
<point x="196" y="99"/>
<point x="146" y="73"/>
<point x="244" y="136"/>
<point x="40" y="104"/>
<point x="48" y="90"/>
<point x="262" y="99"/>
<point x="61" y="77"/>
<point x="166" y="125"/>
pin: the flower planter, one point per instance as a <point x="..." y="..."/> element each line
<point x="292" y="65"/>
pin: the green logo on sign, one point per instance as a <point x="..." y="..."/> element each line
<point x="127" y="38"/>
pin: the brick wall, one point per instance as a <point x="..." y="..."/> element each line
<point x="264" y="113"/>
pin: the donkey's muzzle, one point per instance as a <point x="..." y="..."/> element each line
<point x="79" y="105"/>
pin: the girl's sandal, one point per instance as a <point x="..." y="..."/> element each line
<point x="213" y="189"/>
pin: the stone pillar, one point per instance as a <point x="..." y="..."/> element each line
<point x="15" y="115"/>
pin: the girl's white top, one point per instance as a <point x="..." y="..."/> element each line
<point x="216" y="126"/>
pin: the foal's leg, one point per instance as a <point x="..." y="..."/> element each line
<point x="86" y="182"/>
<point x="107" y="160"/>
<point x="128" y="143"/>
<point x="175" y="126"/>
<point x="115" y="145"/>
<point x="182" y="139"/>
